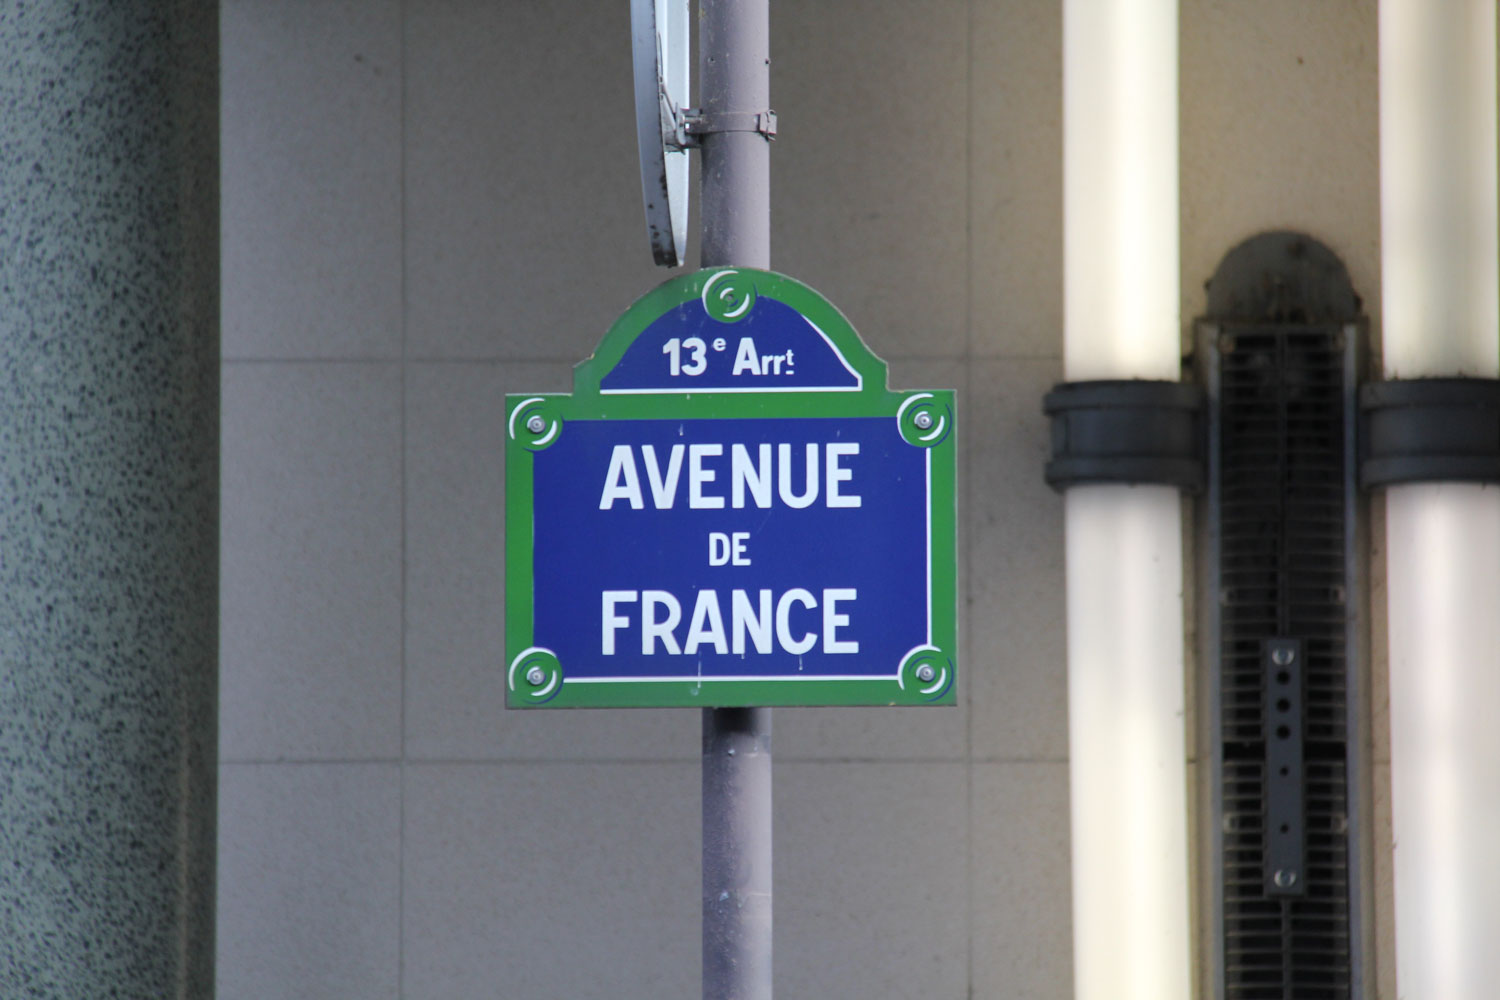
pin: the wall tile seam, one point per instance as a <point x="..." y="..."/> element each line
<point x="402" y="26"/>
<point x="1010" y="761"/>
<point x="1028" y="358"/>
<point x="419" y="760"/>
<point x="309" y="762"/>
<point x="409" y="765"/>
<point x="694" y="759"/>
<point x="226" y="362"/>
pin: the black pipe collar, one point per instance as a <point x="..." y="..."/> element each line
<point x="1126" y="431"/>
<point x="1429" y="430"/>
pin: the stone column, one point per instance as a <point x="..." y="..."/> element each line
<point x="109" y="349"/>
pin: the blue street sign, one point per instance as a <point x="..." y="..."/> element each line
<point x="730" y="509"/>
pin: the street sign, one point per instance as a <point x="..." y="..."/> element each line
<point x="731" y="508"/>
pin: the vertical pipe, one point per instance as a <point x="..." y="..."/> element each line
<point x="108" y="497"/>
<point x="737" y="899"/>
<point x="735" y="56"/>
<point x="1440" y="257"/>
<point x="1121" y="257"/>
<point x="734" y="41"/>
<point x="1127" y="733"/>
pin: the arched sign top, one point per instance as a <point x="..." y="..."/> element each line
<point x="731" y="331"/>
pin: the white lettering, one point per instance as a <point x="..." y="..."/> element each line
<point x="784" y="478"/>
<point x="699" y="364"/>
<point x="652" y="628"/>
<point x="621" y="481"/>
<point x="783" y="620"/>
<point x="746" y="619"/>
<point x="838" y="474"/>
<point x="610" y="621"/>
<point x="766" y="622"/>
<point x="707" y="624"/>
<point x="833" y="621"/>
<point x="718" y="548"/>
<point x="752" y="475"/>
<point x="756" y="478"/>
<point x="663" y="491"/>
<point x="745" y="358"/>
<point x="698" y="476"/>
<point x="724" y="549"/>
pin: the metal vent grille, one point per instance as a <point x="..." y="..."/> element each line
<point x="1282" y="499"/>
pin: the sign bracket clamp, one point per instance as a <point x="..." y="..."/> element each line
<point x="690" y="125"/>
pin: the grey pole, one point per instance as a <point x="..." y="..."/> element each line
<point x="108" y="497"/>
<point x="737" y="854"/>
<point x="734" y="48"/>
<point x="735" y="53"/>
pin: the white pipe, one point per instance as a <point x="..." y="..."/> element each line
<point x="1443" y="560"/>
<point x="1440" y="253"/>
<point x="1124" y="559"/>
<point x="1126" y="744"/>
<point x="1121" y="257"/>
<point x="1441" y="279"/>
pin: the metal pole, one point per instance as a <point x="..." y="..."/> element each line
<point x="735" y="48"/>
<point x="734" y="45"/>
<point x="737" y="854"/>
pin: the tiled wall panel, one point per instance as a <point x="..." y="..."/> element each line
<point x="430" y="203"/>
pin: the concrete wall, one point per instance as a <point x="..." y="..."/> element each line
<point x="429" y="203"/>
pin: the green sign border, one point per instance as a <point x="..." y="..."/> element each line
<point x="533" y="421"/>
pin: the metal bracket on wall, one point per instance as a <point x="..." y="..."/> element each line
<point x="1429" y="430"/>
<point x="1126" y="432"/>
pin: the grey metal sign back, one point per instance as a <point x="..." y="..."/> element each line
<point x="659" y="44"/>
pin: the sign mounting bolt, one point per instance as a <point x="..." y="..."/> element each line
<point x="535" y="424"/>
<point x="535" y="676"/>
<point x="925" y="672"/>
<point x="923" y="420"/>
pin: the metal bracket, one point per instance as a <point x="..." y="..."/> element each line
<point x="693" y="124"/>
<point x="1285" y="816"/>
<point x="1429" y="430"/>
<point x="1126" y="432"/>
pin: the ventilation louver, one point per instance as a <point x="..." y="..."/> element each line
<point x="1281" y="509"/>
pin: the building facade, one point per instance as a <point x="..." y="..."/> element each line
<point x="429" y="203"/>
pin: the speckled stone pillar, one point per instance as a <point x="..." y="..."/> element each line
<point x="108" y="497"/>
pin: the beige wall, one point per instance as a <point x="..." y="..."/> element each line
<point x="429" y="203"/>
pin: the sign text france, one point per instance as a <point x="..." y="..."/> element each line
<point x="731" y="508"/>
